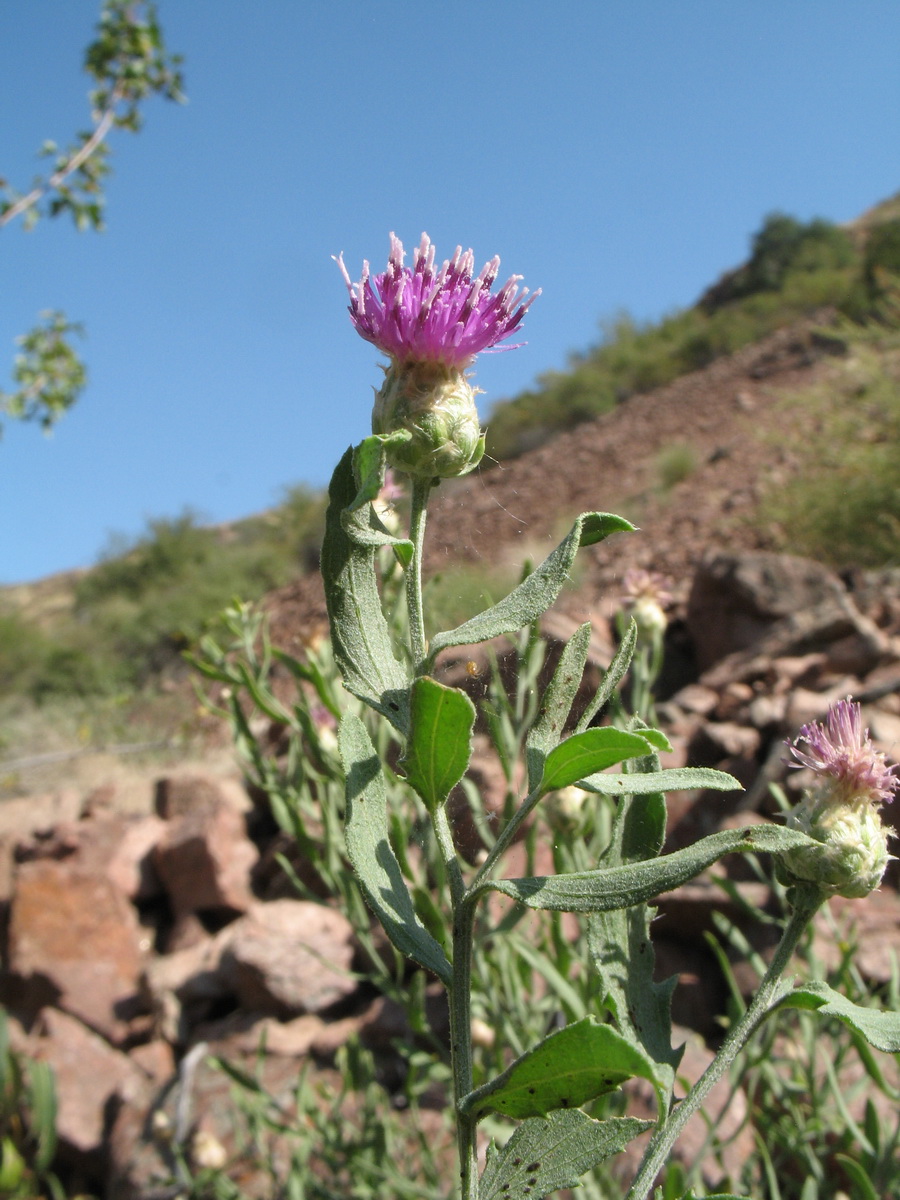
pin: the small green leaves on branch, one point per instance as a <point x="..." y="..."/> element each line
<point x="556" y="703"/>
<point x="440" y="741"/>
<point x="585" y="754"/>
<point x="359" y="632"/>
<point x="128" y="62"/>
<point x="677" y="779"/>
<point x="567" y="1069"/>
<point x="49" y="374"/>
<point x="548" y="1153"/>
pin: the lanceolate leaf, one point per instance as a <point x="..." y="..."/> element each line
<point x="676" y="780"/>
<point x="359" y="631"/>
<point x="547" y="1153"/>
<point x="614" y="674"/>
<point x="619" y="941"/>
<point x="536" y="593"/>
<point x="576" y="1064"/>
<point x="880" y="1028"/>
<point x="611" y="888"/>
<point x="586" y="753"/>
<point x="440" y="740"/>
<point x="371" y="854"/>
<point x="556" y="703"/>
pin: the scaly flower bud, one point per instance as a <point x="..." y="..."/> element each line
<point x="646" y="595"/>
<point x="841" y="811"/>
<point x="432" y="324"/>
<point x="436" y="405"/>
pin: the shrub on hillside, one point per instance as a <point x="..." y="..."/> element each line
<point x="842" y="506"/>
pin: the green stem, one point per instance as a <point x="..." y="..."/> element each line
<point x="807" y="900"/>
<point x="505" y="837"/>
<point x="461" y="1044"/>
<point x="418" y="507"/>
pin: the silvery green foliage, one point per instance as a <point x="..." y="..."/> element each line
<point x="548" y="1086"/>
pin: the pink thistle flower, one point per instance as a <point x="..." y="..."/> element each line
<point x="443" y="316"/>
<point x="841" y="751"/>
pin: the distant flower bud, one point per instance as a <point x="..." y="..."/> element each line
<point x="645" y="595"/>
<point x="841" y="810"/>
<point x="564" y="809"/>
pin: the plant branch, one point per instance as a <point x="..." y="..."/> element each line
<point x="807" y="900"/>
<point x="79" y="157"/>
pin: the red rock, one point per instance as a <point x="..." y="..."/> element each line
<point x="77" y="934"/>
<point x="121" y="849"/>
<point x="190" y="792"/>
<point x="290" y="956"/>
<point x="204" y="860"/>
<point x="90" y="1076"/>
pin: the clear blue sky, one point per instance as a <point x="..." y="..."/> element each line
<point x="617" y="153"/>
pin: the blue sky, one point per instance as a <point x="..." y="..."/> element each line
<point x="616" y="153"/>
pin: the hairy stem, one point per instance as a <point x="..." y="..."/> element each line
<point x="807" y="899"/>
<point x="461" y="1044"/>
<point x="418" y="508"/>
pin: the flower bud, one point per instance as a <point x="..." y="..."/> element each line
<point x="564" y="809"/>
<point x="435" y="404"/>
<point x="852" y="854"/>
<point x="841" y="811"/>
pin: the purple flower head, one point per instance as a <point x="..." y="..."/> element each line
<point x="841" y="750"/>
<point x="448" y="316"/>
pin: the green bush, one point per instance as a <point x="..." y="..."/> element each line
<point x="842" y="506"/>
<point x="882" y="254"/>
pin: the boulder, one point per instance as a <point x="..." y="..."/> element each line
<point x="205" y="859"/>
<point x="75" y="940"/>
<point x="290" y="957"/>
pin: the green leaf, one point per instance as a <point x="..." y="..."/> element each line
<point x="610" y="888"/>
<point x="536" y="593"/>
<point x="678" y="779"/>
<point x="556" y="703"/>
<point x="586" y="753"/>
<point x="547" y="1153"/>
<point x="863" y="1188"/>
<point x="365" y="528"/>
<point x="881" y="1029"/>
<point x="612" y="677"/>
<point x="655" y="737"/>
<point x="619" y="941"/>
<point x="371" y="854"/>
<point x="359" y="632"/>
<point x="576" y="1064"/>
<point x="440" y="740"/>
<point x="43" y="1112"/>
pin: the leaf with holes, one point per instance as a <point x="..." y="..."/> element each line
<point x="547" y="1153"/>
<point x="576" y="1064"/>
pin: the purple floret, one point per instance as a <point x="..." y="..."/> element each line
<point x="447" y="316"/>
<point x="842" y="750"/>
